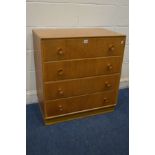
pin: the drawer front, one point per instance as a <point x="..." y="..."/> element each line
<point x="53" y="49"/>
<point x="76" y="104"/>
<point x="61" y="49"/>
<point x="110" y="46"/>
<point x="81" y="68"/>
<point x="68" y="88"/>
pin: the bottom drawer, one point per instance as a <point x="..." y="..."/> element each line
<point x="80" y="103"/>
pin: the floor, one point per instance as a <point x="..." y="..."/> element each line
<point x="106" y="134"/>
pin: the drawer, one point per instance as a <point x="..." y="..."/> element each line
<point x="110" y="46"/>
<point x="68" y="88"/>
<point x="61" y="49"/>
<point x="80" y="103"/>
<point x="53" y="49"/>
<point x="60" y="70"/>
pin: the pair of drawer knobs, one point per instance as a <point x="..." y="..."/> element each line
<point x="61" y="72"/>
<point x="61" y="52"/>
<point x="105" y="100"/>
<point x="61" y="92"/>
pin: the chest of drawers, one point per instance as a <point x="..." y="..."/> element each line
<point x="77" y="72"/>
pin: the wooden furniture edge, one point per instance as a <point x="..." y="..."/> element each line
<point x="44" y="33"/>
<point x="86" y="37"/>
<point x="79" y="115"/>
<point x="80" y="59"/>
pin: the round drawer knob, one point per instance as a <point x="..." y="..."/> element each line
<point x="60" y="108"/>
<point x="108" y="85"/>
<point x="122" y="42"/>
<point x="60" y="51"/>
<point x="105" y="100"/>
<point x="60" y="91"/>
<point x="109" y="67"/>
<point x="111" y="48"/>
<point x="60" y="72"/>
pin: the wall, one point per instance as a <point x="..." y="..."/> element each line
<point x="110" y="14"/>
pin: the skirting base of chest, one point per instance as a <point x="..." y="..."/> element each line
<point x="49" y="121"/>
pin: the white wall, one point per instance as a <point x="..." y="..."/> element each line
<point x="110" y="14"/>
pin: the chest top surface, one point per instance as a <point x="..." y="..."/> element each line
<point x="74" y="33"/>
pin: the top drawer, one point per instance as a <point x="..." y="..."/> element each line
<point x="61" y="49"/>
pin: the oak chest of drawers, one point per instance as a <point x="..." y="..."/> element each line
<point x="77" y="71"/>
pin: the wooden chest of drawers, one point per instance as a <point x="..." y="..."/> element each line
<point x="77" y="71"/>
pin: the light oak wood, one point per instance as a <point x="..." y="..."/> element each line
<point x="77" y="72"/>
<point x="39" y="72"/>
<point x="81" y="86"/>
<point x="74" y="33"/>
<point x="62" y="49"/>
<point x="81" y="114"/>
<point x="79" y="103"/>
<point x="60" y="70"/>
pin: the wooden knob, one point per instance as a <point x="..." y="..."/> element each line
<point x="60" y="91"/>
<point x="122" y="42"/>
<point x="109" y="67"/>
<point x="111" y="48"/>
<point x="60" y="72"/>
<point x="107" y="84"/>
<point x="60" y="107"/>
<point x="105" y="100"/>
<point x="60" y="51"/>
